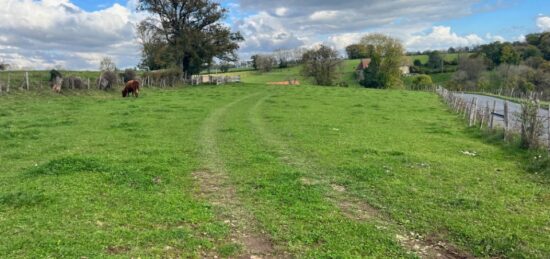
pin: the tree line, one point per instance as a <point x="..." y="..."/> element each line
<point x="507" y="67"/>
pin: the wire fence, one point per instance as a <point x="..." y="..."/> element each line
<point x="11" y="81"/>
<point x="495" y="113"/>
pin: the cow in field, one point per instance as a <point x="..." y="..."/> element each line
<point x="132" y="87"/>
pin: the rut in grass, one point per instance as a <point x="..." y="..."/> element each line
<point x="352" y="207"/>
<point x="215" y="186"/>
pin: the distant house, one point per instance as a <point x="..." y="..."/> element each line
<point x="360" y="70"/>
<point x="405" y="70"/>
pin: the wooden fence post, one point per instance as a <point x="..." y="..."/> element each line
<point x="88" y="83"/>
<point x="474" y="112"/>
<point x="505" y="119"/>
<point x="8" y="86"/>
<point x="548" y="125"/>
<point x="27" y="79"/>
<point x="491" y="123"/>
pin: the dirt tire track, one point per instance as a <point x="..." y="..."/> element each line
<point x="353" y="207"/>
<point x="215" y="186"/>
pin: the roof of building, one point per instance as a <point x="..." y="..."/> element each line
<point x="364" y="64"/>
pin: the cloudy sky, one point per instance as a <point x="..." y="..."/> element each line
<point x="76" y="34"/>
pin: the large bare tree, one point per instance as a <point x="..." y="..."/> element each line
<point x="190" y="32"/>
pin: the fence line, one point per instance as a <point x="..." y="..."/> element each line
<point x="27" y="82"/>
<point x="485" y="116"/>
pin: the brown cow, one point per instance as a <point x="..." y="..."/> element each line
<point x="132" y="87"/>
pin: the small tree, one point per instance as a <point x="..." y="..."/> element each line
<point x="264" y="63"/>
<point x="435" y="60"/>
<point x="391" y="53"/>
<point x="4" y="66"/>
<point x="323" y="65"/>
<point x="107" y="64"/>
<point x="373" y="77"/>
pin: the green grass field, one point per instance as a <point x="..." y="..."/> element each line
<point x="250" y="169"/>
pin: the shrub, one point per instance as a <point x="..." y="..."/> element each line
<point x="283" y="63"/>
<point x="422" y="82"/>
<point x="531" y="125"/>
<point x="129" y="74"/>
<point x="107" y="80"/>
<point x="73" y="83"/>
<point x="224" y="68"/>
<point x="165" y="77"/>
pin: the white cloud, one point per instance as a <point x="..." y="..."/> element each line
<point x="441" y="37"/>
<point x="264" y="33"/>
<point x="324" y="15"/>
<point x="340" y="23"/>
<point x="543" y="23"/>
<point x="44" y="33"/>
<point x="341" y="41"/>
<point x="281" y="11"/>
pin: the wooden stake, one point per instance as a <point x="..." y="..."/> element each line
<point x="9" y="77"/>
<point x="548" y="129"/>
<point x="491" y="123"/>
<point x="27" y="79"/>
<point x="474" y="112"/>
<point x="505" y="119"/>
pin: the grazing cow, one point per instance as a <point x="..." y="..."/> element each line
<point x="132" y="87"/>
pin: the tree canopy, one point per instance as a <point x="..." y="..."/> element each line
<point x="391" y="53"/>
<point x="186" y="33"/>
<point x="322" y="64"/>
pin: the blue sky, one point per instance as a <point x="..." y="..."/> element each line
<point x="95" y="29"/>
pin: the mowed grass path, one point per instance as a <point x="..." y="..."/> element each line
<point x="312" y="171"/>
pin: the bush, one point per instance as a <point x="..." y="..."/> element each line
<point x="165" y="77"/>
<point x="224" y="68"/>
<point x="531" y="125"/>
<point x="107" y="80"/>
<point x="73" y="83"/>
<point x="128" y="75"/>
<point x="283" y="63"/>
<point x="422" y="82"/>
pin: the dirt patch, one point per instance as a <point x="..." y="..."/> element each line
<point x="430" y="248"/>
<point x="288" y="82"/>
<point x="214" y="187"/>
<point x="338" y="188"/>
<point x="115" y="250"/>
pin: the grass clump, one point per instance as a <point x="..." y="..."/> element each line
<point x="68" y="165"/>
